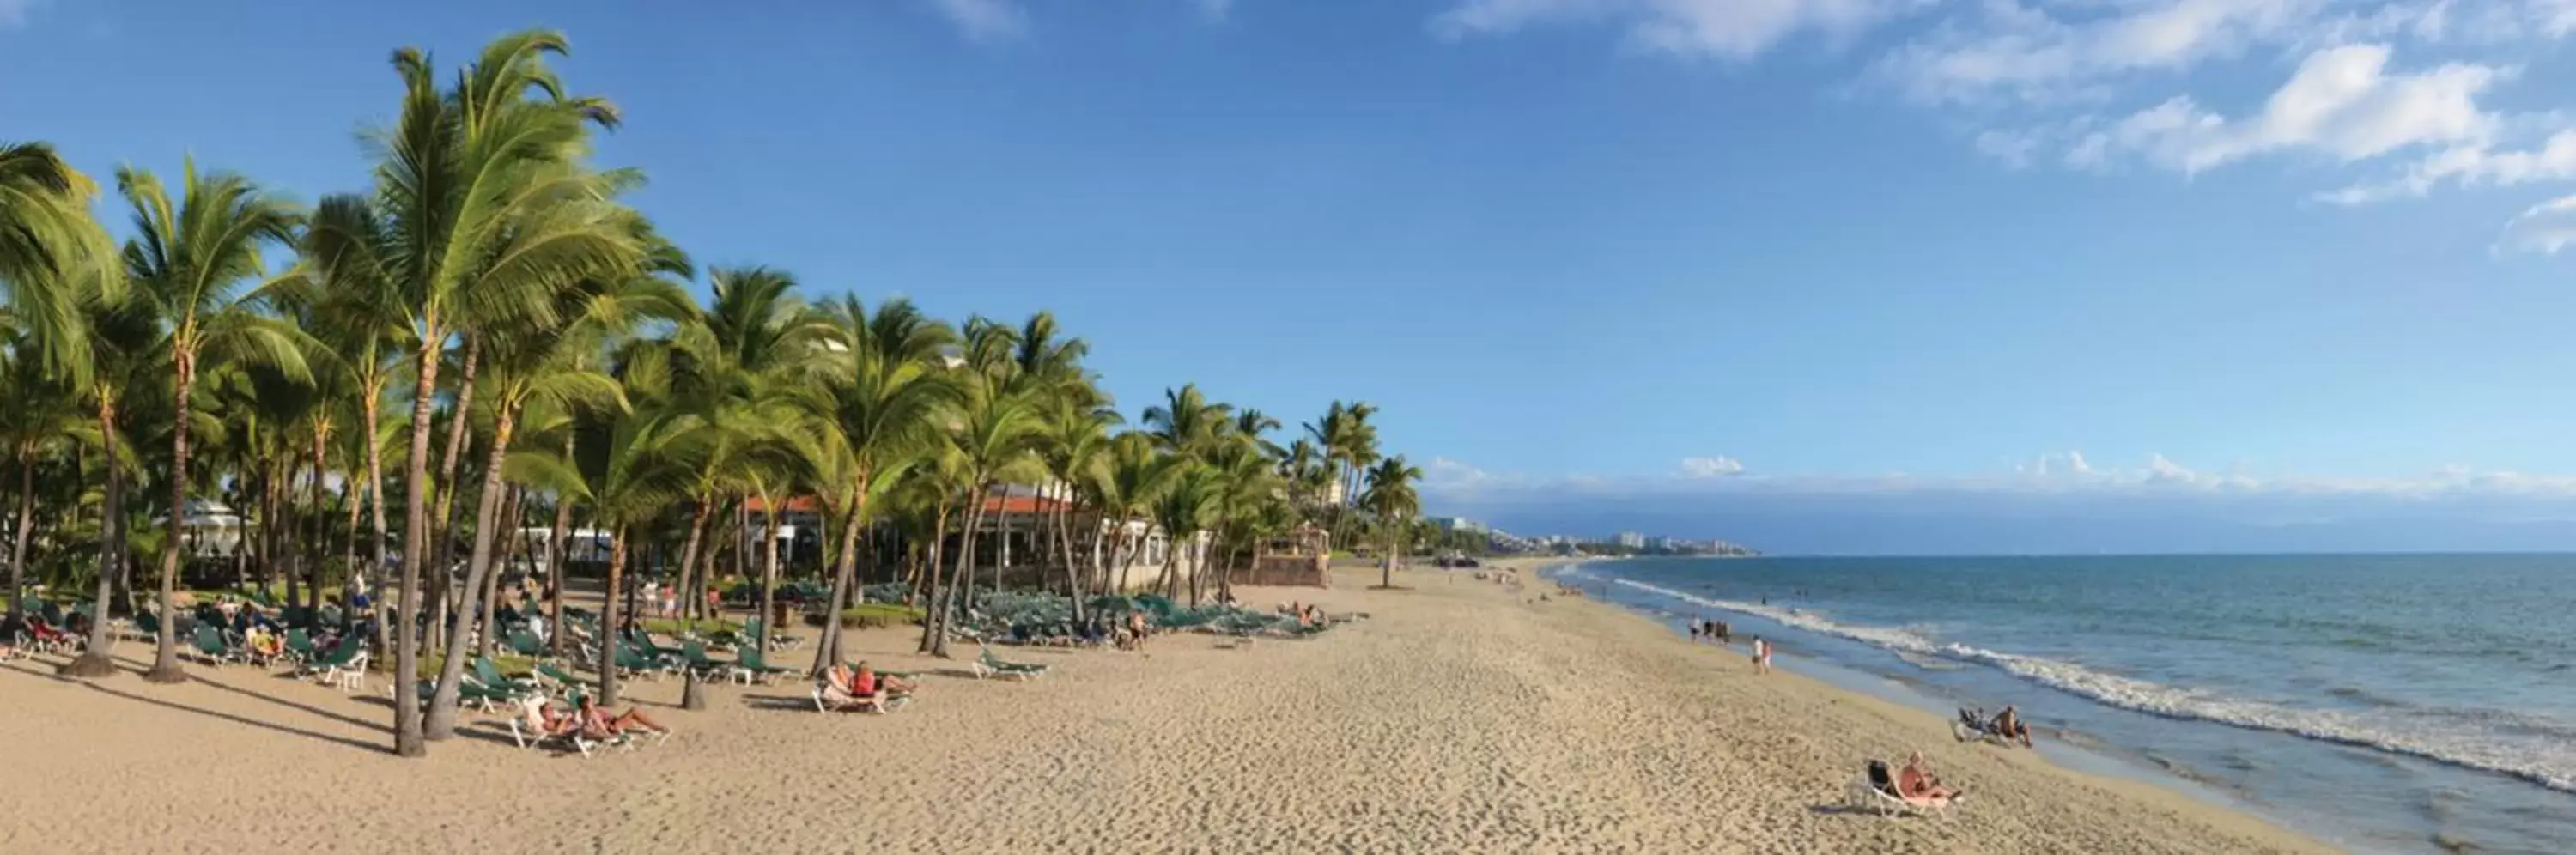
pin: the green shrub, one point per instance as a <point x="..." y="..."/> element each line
<point x="872" y="616"/>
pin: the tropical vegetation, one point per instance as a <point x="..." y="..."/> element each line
<point x="397" y="386"/>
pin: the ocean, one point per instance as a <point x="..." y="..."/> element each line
<point x="2384" y="703"/>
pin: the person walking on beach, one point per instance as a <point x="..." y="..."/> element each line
<point x="1695" y="630"/>
<point x="1761" y="655"/>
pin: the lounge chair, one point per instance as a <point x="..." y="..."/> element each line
<point x="709" y="669"/>
<point x="525" y="643"/>
<point x="489" y="674"/>
<point x="829" y="697"/>
<point x="299" y="647"/>
<point x="345" y="666"/>
<point x="211" y="647"/>
<point x="756" y="666"/>
<point x="777" y="640"/>
<point x="987" y="665"/>
<point x="638" y="663"/>
<point x="1875" y="791"/>
<point x="557" y="680"/>
<point x="529" y="730"/>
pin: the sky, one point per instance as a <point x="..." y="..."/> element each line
<point x="1814" y="275"/>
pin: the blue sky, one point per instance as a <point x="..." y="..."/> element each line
<point x="1780" y="270"/>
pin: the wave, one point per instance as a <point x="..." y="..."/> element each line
<point x="2544" y="754"/>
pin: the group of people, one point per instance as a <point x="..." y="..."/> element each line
<point x="1711" y="630"/>
<point x="847" y="688"/>
<point x="588" y="721"/>
<point x="2006" y="725"/>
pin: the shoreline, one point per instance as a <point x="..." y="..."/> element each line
<point x="2165" y="795"/>
<point x="1458" y="717"/>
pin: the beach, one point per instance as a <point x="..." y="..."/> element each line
<point x="1459" y="717"/>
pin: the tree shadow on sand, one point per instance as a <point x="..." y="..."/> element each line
<point x="236" y="719"/>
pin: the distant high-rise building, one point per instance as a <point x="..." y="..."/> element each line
<point x="1632" y="540"/>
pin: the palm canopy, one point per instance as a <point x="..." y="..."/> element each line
<point x="49" y="247"/>
<point x="1186" y="422"/>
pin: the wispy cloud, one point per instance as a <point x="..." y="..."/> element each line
<point x="1711" y="467"/>
<point x="1729" y="29"/>
<point x="2546" y="228"/>
<point x="986" y="20"/>
<point x="2400" y="88"/>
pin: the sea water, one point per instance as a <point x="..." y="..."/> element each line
<point x="2384" y="703"/>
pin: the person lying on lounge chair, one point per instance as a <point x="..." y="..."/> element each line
<point x="544" y="722"/>
<point x="1916" y="782"/>
<point x="598" y="724"/>
<point x="866" y="682"/>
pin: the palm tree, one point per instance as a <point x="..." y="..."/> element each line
<point x="486" y="208"/>
<point x="998" y="428"/>
<point x="1183" y="509"/>
<point x="525" y="365"/>
<point x="125" y="353"/>
<point x="629" y="468"/>
<point x="886" y="398"/>
<point x="186" y="262"/>
<point x="1349" y="441"/>
<point x="1077" y="446"/>
<point x="1391" y="498"/>
<point x="1186" y="423"/>
<point x="39" y="416"/>
<point x="47" y="239"/>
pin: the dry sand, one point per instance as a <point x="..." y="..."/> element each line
<point x="1460" y="718"/>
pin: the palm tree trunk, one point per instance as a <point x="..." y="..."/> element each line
<point x="165" y="660"/>
<point x="505" y="530"/>
<point x="98" y="659"/>
<point x="769" y="574"/>
<point x="351" y="501"/>
<point x="556" y="568"/>
<point x="459" y="430"/>
<point x="487" y="518"/>
<point x="26" y="528"/>
<point x="383" y="555"/>
<point x="408" y="741"/>
<point x="1064" y="550"/>
<point x="845" y="565"/>
<point x="689" y="551"/>
<point x="608" y="620"/>
<point x="321" y="542"/>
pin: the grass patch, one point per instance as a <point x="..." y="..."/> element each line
<point x="704" y="626"/>
<point x="511" y="665"/>
<point x="873" y="615"/>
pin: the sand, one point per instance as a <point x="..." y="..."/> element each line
<point x="1459" y="718"/>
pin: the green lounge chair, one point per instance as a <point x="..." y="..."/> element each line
<point x="987" y="665"/>
<point x="756" y="665"/>
<point x="709" y="669"/>
<point x="345" y="666"/>
<point x="777" y="640"/>
<point x="558" y="679"/>
<point x="526" y="644"/>
<point x="634" y="662"/>
<point x="489" y="674"/>
<point x="299" y="646"/>
<point x="211" y="647"/>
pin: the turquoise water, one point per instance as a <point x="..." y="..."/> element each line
<point x="2397" y="703"/>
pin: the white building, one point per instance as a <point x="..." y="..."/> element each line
<point x="1632" y="540"/>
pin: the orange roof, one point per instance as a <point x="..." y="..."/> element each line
<point x="797" y="505"/>
<point x="1022" y="505"/>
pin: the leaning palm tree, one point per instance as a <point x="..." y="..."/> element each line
<point x="885" y="398"/>
<point x="486" y="209"/>
<point x="1186" y="423"/>
<point x="528" y="365"/>
<point x="187" y="262"/>
<point x="1391" y="497"/>
<point x="126" y="354"/>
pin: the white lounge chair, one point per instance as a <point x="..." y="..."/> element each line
<point x="1875" y="792"/>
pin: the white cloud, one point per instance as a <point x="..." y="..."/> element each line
<point x="2546" y="228"/>
<point x="14" y="13"/>
<point x="986" y="20"/>
<point x="1728" y="29"/>
<point x="2470" y="165"/>
<point x="2031" y="51"/>
<point x="2058" y="475"/>
<point x="1711" y="467"/>
<point x="2342" y="102"/>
